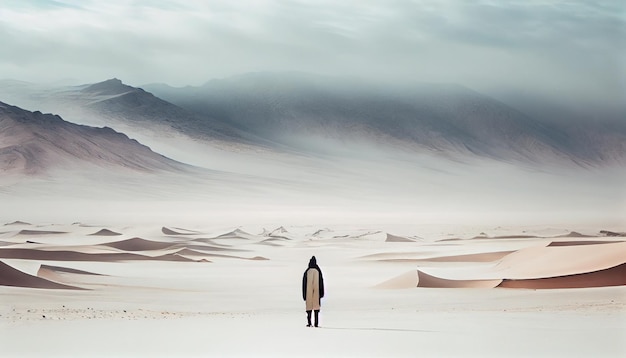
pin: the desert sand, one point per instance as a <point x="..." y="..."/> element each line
<point x="167" y="290"/>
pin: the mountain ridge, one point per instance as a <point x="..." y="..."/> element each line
<point x="34" y="143"/>
<point x="313" y="114"/>
<point x="444" y="118"/>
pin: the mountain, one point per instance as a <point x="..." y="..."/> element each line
<point x="448" y="153"/>
<point x="118" y="101"/>
<point x="34" y="143"/>
<point x="113" y="103"/>
<point x="313" y="114"/>
<point x="300" y="110"/>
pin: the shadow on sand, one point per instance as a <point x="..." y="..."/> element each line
<point x="379" y="329"/>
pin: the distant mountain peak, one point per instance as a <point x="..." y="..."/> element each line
<point x="112" y="86"/>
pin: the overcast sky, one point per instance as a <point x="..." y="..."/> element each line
<point x="573" y="47"/>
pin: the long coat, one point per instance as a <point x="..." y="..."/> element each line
<point x="312" y="288"/>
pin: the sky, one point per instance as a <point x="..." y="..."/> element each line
<point x="573" y="49"/>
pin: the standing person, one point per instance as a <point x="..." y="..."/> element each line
<point x="312" y="290"/>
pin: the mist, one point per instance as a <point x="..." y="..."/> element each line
<point x="534" y="64"/>
<point x="567" y="51"/>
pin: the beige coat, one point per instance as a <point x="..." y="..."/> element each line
<point x="312" y="289"/>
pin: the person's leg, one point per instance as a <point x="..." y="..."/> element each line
<point x="317" y="317"/>
<point x="308" y="318"/>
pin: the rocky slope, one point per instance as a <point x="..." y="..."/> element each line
<point x="33" y="143"/>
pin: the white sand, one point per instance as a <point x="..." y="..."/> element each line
<point x="236" y="305"/>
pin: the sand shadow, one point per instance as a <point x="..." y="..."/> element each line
<point x="379" y="329"/>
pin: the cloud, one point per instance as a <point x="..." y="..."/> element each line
<point x="549" y="46"/>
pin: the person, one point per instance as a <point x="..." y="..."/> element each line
<point x="313" y="290"/>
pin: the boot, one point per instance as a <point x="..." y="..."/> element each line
<point x="317" y="318"/>
<point x="308" y="318"/>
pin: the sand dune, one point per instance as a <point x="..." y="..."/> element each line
<point x="139" y="244"/>
<point x="187" y="252"/>
<point x="105" y="232"/>
<point x="574" y="243"/>
<point x="550" y="263"/>
<point x="236" y="234"/>
<point x="65" y="275"/>
<point x="384" y="256"/>
<point x="9" y="276"/>
<point x="516" y="237"/>
<point x="17" y="223"/>
<point x="258" y="258"/>
<point x="562" y="264"/>
<point x="614" y="276"/>
<point x="435" y="256"/>
<point x="450" y="239"/>
<point x="280" y="231"/>
<point x="199" y="256"/>
<point x="172" y="257"/>
<point x="426" y="280"/>
<point x="206" y="247"/>
<point x="321" y="232"/>
<point x="395" y="238"/>
<point x="40" y="232"/>
<point x="553" y="261"/>
<point x="274" y="241"/>
<point x="445" y="300"/>
<point x="212" y="245"/>
<point x="233" y="238"/>
<point x="178" y="231"/>
<point x="66" y="255"/>
<point x="419" y="278"/>
<point x="575" y="234"/>
<point x="68" y="270"/>
<point x="482" y="257"/>
<point x="612" y="233"/>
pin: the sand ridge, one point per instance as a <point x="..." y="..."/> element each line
<point x="10" y="276"/>
<point x="511" y="261"/>
<point x="595" y="264"/>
